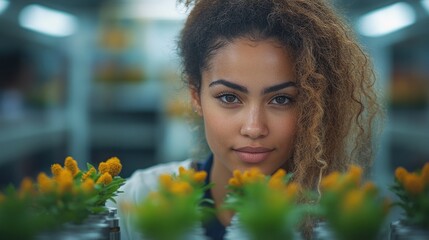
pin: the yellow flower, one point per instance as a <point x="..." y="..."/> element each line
<point x="180" y="188"/>
<point x="103" y="168"/>
<point x="280" y="173"/>
<point x="2" y="197"/>
<point x="425" y="173"/>
<point x="369" y="187"/>
<point x="89" y="173"/>
<point x="253" y="175"/>
<point x="26" y="186"/>
<point x="182" y="171"/>
<point x="250" y="176"/>
<point x="56" y="169"/>
<point x="114" y="165"/>
<point x="71" y="165"/>
<point x="400" y="174"/>
<point x="354" y="175"/>
<point x="276" y="181"/>
<point x="353" y="200"/>
<point x="165" y="180"/>
<point x="413" y="184"/>
<point x="88" y="185"/>
<point x="65" y="181"/>
<point x="234" y="182"/>
<point x="237" y="179"/>
<point x="200" y="176"/>
<point x="237" y="175"/>
<point x="330" y="181"/>
<point x="105" y="179"/>
<point x="45" y="183"/>
<point x="292" y="190"/>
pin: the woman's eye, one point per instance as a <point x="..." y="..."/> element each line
<point x="281" y="100"/>
<point x="228" y="98"/>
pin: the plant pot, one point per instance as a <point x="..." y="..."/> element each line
<point x="236" y="232"/>
<point x="94" y="227"/>
<point x="322" y="232"/>
<point x="400" y="230"/>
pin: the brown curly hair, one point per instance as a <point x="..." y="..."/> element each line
<point x="337" y="101"/>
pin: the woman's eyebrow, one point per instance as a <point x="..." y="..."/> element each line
<point x="230" y="85"/>
<point x="279" y="87"/>
<point x="244" y="89"/>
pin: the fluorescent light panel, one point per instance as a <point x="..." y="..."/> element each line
<point x="425" y="4"/>
<point x="3" y="5"/>
<point x="48" y="21"/>
<point x="154" y="9"/>
<point x="386" y="20"/>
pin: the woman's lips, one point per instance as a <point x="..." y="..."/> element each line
<point x="253" y="154"/>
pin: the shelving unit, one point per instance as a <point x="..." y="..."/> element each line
<point x="126" y="121"/>
<point x="25" y="136"/>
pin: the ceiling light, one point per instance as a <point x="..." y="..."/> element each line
<point x="425" y="4"/>
<point x="386" y="20"/>
<point x="3" y="5"/>
<point x="48" y="21"/>
<point x="154" y="9"/>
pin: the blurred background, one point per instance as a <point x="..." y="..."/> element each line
<point x="95" y="78"/>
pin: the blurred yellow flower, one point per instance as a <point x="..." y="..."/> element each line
<point x="400" y="174"/>
<point x="45" y="183"/>
<point x="413" y="184"/>
<point x="234" y="182"/>
<point x="26" y="186"/>
<point x="200" y="176"/>
<point x="65" y="181"/>
<point x="71" y="165"/>
<point x="292" y="190"/>
<point x="353" y="200"/>
<point x="279" y="174"/>
<point x="252" y="175"/>
<point x="105" y="178"/>
<point x="412" y="190"/>
<point x="354" y="175"/>
<point x="180" y="188"/>
<point x="182" y="171"/>
<point x="56" y="169"/>
<point x="88" y="185"/>
<point x="369" y="187"/>
<point x="2" y="197"/>
<point x="330" y="180"/>
<point x="165" y="180"/>
<point x="276" y="181"/>
<point x="89" y="173"/>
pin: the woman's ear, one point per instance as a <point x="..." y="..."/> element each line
<point x="196" y="101"/>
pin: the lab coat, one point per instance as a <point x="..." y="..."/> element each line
<point x="136" y="189"/>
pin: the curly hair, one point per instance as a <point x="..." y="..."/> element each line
<point x="338" y="104"/>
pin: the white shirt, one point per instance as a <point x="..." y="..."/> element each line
<point x="136" y="188"/>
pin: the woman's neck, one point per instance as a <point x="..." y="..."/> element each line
<point x="220" y="176"/>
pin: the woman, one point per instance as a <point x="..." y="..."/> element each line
<point x="278" y="84"/>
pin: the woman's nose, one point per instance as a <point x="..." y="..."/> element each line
<point x="254" y="123"/>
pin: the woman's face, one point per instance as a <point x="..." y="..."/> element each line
<point x="247" y="101"/>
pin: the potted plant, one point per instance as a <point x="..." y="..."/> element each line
<point x="351" y="208"/>
<point x="266" y="207"/>
<point x="412" y="191"/>
<point x="175" y="210"/>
